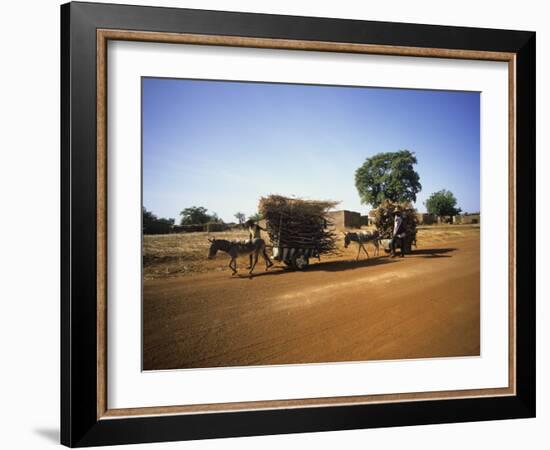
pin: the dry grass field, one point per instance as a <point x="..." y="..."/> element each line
<point x="185" y="254"/>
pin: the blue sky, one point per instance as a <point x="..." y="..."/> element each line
<point x="222" y="145"/>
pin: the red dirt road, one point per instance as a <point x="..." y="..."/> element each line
<point x="424" y="305"/>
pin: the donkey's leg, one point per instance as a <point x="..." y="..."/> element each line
<point x="358" y="251"/>
<point x="365" y="249"/>
<point x="233" y="262"/>
<point x="250" y="263"/>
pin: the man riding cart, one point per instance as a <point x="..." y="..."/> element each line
<point x="398" y="235"/>
<point x="396" y="223"/>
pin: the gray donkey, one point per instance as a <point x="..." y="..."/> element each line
<point x="235" y="248"/>
<point x="362" y="238"/>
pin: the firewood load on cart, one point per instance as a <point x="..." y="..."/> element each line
<point x="384" y="220"/>
<point x="298" y="229"/>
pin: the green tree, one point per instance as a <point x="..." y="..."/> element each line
<point x="148" y="217"/>
<point x="155" y="225"/>
<point x="388" y="176"/>
<point x="214" y="218"/>
<point x="240" y="217"/>
<point x="196" y="215"/>
<point x="442" y="203"/>
<point x="256" y="217"/>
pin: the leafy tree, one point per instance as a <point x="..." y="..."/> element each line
<point x="240" y="217"/>
<point x="155" y="225"/>
<point x="148" y="217"/>
<point x="442" y="203"/>
<point x="196" y="215"/>
<point x="256" y="217"/>
<point x="388" y="176"/>
<point x="214" y="218"/>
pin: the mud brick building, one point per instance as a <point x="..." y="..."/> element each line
<point x="466" y="219"/>
<point x="426" y="219"/>
<point x="345" y="219"/>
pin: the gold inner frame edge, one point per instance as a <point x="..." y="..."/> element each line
<point x="103" y="36"/>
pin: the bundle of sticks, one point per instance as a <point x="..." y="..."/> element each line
<point x="384" y="218"/>
<point x="298" y="223"/>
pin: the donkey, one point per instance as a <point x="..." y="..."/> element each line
<point x="235" y="248"/>
<point x="361" y="239"/>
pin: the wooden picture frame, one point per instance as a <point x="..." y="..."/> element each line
<point x="86" y="418"/>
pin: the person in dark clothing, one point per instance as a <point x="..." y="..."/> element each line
<point x="398" y="235"/>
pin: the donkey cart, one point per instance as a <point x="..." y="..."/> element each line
<point x="295" y="257"/>
<point x="298" y="229"/>
<point x="405" y="244"/>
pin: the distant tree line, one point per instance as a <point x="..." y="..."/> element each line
<point x="194" y="218"/>
<point x="155" y="225"/>
<point x="198" y="215"/>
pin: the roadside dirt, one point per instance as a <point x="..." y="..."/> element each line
<point x="422" y="306"/>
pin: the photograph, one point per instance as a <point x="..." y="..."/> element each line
<point x="307" y="224"/>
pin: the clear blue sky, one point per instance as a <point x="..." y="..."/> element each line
<point x="222" y="145"/>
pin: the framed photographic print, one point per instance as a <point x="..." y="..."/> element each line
<point x="276" y="224"/>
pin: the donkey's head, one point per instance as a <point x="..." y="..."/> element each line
<point x="347" y="239"/>
<point x="213" y="248"/>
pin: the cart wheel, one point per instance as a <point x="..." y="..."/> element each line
<point x="300" y="262"/>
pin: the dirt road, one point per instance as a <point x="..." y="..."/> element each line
<point x="424" y="305"/>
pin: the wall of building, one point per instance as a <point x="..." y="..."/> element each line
<point x="345" y="219"/>
<point x="466" y="219"/>
<point x="426" y="219"/>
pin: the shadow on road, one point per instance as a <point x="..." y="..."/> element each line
<point x="349" y="264"/>
<point x="328" y="266"/>
<point x="433" y="252"/>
